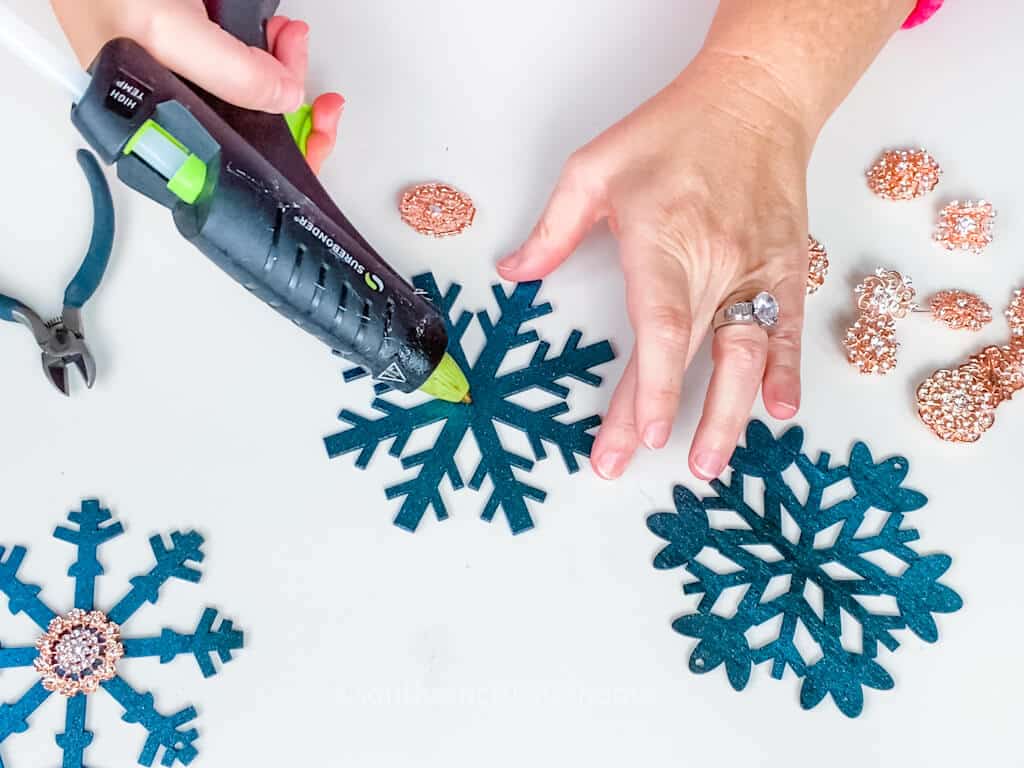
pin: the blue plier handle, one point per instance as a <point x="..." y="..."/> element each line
<point x="62" y="341"/>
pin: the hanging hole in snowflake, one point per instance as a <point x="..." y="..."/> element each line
<point x="837" y="492"/>
<point x="872" y="523"/>
<point x="815" y="598"/>
<point x="729" y="600"/>
<point x="727" y="520"/>
<point x="790" y="529"/>
<point x="879" y="605"/>
<point x="852" y="638"/>
<point x="888" y="562"/>
<point x="777" y="586"/>
<point x="715" y="561"/>
<point x="809" y="650"/>
<point x="760" y="635"/>
<point x="797" y="482"/>
<point x="826" y="538"/>
<point x="839" y="572"/>
<point x="765" y="552"/>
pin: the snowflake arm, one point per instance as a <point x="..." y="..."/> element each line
<point x="87" y="535"/>
<point x="14" y="717"/>
<point x="76" y="738"/>
<point x="203" y="644"/>
<point x="164" y="731"/>
<point x="171" y="563"/>
<point x="22" y="597"/>
<point x="17" y="656"/>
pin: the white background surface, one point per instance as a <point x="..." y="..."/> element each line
<point x="462" y="645"/>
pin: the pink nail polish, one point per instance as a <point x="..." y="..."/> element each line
<point x="656" y="435"/>
<point x="709" y="464"/>
<point x="609" y="465"/>
<point x="510" y="262"/>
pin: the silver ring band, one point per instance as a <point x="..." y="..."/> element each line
<point x="762" y="311"/>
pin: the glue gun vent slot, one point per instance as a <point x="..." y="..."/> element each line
<point x="339" y="316"/>
<point x="278" y="226"/>
<point x="300" y="255"/>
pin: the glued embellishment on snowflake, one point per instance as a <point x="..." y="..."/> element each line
<point x="871" y="344"/>
<point x="492" y="394"/>
<point x="817" y="270"/>
<point x="966" y="226"/>
<point x="830" y="554"/>
<point x="958" y="405"/>
<point x="960" y="310"/>
<point x="78" y="652"/>
<point x="904" y="174"/>
<point x="886" y="292"/>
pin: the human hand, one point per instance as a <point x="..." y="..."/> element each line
<point x="705" y="188"/>
<point x="181" y="37"/>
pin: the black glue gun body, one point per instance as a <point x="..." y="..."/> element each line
<point x="245" y="196"/>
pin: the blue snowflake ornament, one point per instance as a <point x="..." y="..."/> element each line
<point x="78" y="653"/>
<point x="831" y="538"/>
<point x="492" y="392"/>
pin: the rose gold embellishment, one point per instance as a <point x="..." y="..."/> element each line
<point x="886" y="292"/>
<point x="818" y="265"/>
<point x="1015" y="317"/>
<point x="961" y="310"/>
<point x="957" y="405"/>
<point x="437" y="210"/>
<point x="871" y="344"/>
<point x="966" y="226"/>
<point x="904" y="174"/>
<point x="78" y="653"/>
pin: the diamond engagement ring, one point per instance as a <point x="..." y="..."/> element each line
<point x="762" y="311"/>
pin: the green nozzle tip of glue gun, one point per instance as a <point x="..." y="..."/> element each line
<point x="448" y="382"/>
<point x="300" y="123"/>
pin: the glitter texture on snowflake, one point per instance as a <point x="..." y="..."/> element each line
<point x="492" y="394"/>
<point x="836" y="552"/>
<point x="78" y="653"/>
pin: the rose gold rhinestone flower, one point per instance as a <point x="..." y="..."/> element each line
<point x="78" y="652"/>
<point x="1015" y="317"/>
<point x="904" y="174"/>
<point x="437" y="210"/>
<point x="965" y="226"/>
<point x="961" y="310"/>
<point x="957" y="405"/>
<point x="818" y="266"/>
<point x="886" y="292"/>
<point x="1003" y="369"/>
<point x="871" y="344"/>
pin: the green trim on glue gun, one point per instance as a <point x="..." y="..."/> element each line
<point x="300" y="123"/>
<point x="448" y="382"/>
<point x="188" y="182"/>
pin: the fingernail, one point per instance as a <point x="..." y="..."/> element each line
<point x="656" y="435"/>
<point x="610" y="465"/>
<point x="789" y="408"/>
<point x="709" y="464"/>
<point x="510" y="262"/>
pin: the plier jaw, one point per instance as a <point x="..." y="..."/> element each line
<point x="62" y="341"/>
<point x="63" y="350"/>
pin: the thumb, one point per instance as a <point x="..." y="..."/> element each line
<point x="572" y="211"/>
<point x="197" y="49"/>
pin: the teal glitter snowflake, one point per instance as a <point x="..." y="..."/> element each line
<point x="78" y="652"/>
<point x="835" y="550"/>
<point x="492" y="404"/>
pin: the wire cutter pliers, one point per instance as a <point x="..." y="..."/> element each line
<point x="62" y="341"/>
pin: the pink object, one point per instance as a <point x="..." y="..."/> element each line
<point x="924" y="11"/>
